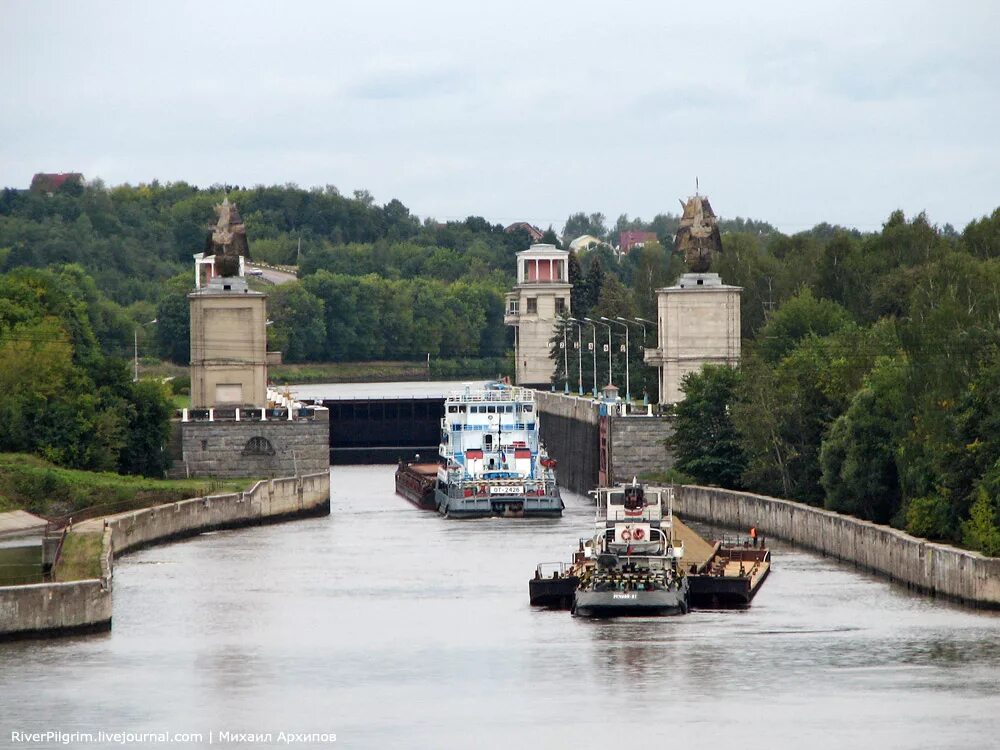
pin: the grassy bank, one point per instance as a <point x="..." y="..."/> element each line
<point x="35" y="485"/>
<point x="80" y="557"/>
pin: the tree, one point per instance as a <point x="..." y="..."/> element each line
<point x="578" y="294"/>
<point x="982" y="238"/>
<point x="173" y="322"/>
<point x="705" y="443"/>
<point x="800" y="316"/>
<point x="64" y="399"/>
<point x="652" y="267"/>
<point x="593" y="283"/>
<point x="981" y="531"/>
<point x="299" y="327"/>
<point x="148" y="430"/>
<point x="859" y="470"/>
<point x="549" y="237"/>
<point x="581" y="223"/>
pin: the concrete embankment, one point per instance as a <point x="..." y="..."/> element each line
<point x="50" y="609"/>
<point x="937" y="569"/>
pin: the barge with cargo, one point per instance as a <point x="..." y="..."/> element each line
<point x="642" y="559"/>
<point x="416" y="482"/>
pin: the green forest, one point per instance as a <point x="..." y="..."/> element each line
<point x="870" y="380"/>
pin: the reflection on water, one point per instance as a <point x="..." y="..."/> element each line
<point x="394" y="627"/>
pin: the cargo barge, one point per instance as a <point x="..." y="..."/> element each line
<point x="415" y="482"/>
<point x="731" y="577"/>
<point x="723" y="574"/>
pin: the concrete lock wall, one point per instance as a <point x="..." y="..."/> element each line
<point x="570" y="429"/>
<point x="637" y="446"/>
<point x="934" y="568"/>
<point x="220" y="449"/>
<point x="62" y="608"/>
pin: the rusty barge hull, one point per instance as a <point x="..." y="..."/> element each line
<point x="416" y="482"/>
<point x="721" y="585"/>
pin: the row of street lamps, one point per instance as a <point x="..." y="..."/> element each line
<point x="608" y="322"/>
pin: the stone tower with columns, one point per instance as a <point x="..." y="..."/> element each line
<point x="541" y="297"/>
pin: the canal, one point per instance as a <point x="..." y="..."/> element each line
<point x="395" y="628"/>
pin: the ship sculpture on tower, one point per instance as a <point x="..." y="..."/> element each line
<point x="698" y="236"/>
<point x="699" y="316"/>
<point x="227" y="240"/>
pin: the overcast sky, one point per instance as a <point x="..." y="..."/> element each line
<point x="793" y="112"/>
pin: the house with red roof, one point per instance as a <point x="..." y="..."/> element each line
<point x="634" y="238"/>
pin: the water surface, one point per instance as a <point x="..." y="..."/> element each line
<point x="396" y="628"/>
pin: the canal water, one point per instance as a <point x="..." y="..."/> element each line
<point x="395" y="628"/>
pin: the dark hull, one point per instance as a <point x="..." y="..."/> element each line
<point x="416" y="486"/>
<point x="661" y="602"/>
<point x="634" y="611"/>
<point x="555" y="593"/>
<point x="425" y="501"/>
<point x="728" y="592"/>
<point x="546" y="506"/>
<point x="714" y="592"/>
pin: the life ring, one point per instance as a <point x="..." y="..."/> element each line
<point x="626" y="535"/>
<point x="638" y="534"/>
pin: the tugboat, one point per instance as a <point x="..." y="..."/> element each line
<point x="492" y="463"/>
<point x="631" y="565"/>
<point x="415" y="481"/>
<point x="635" y="560"/>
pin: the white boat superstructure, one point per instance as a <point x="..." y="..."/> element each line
<point x="636" y="569"/>
<point x="492" y="462"/>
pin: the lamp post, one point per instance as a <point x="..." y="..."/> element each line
<point x="594" y="331"/>
<point x="642" y="324"/>
<point x="610" y="381"/>
<point x="135" y="350"/>
<point x="565" y="361"/>
<point x="579" y="357"/>
<point x="628" y="389"/>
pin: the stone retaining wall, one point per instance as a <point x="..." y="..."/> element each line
<point x="49" y="609"/>
<point x="223" y="448"/>
<point x="637" y="446"/>
<point x="938" y="569"/>
<point x="267" y="501"/>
